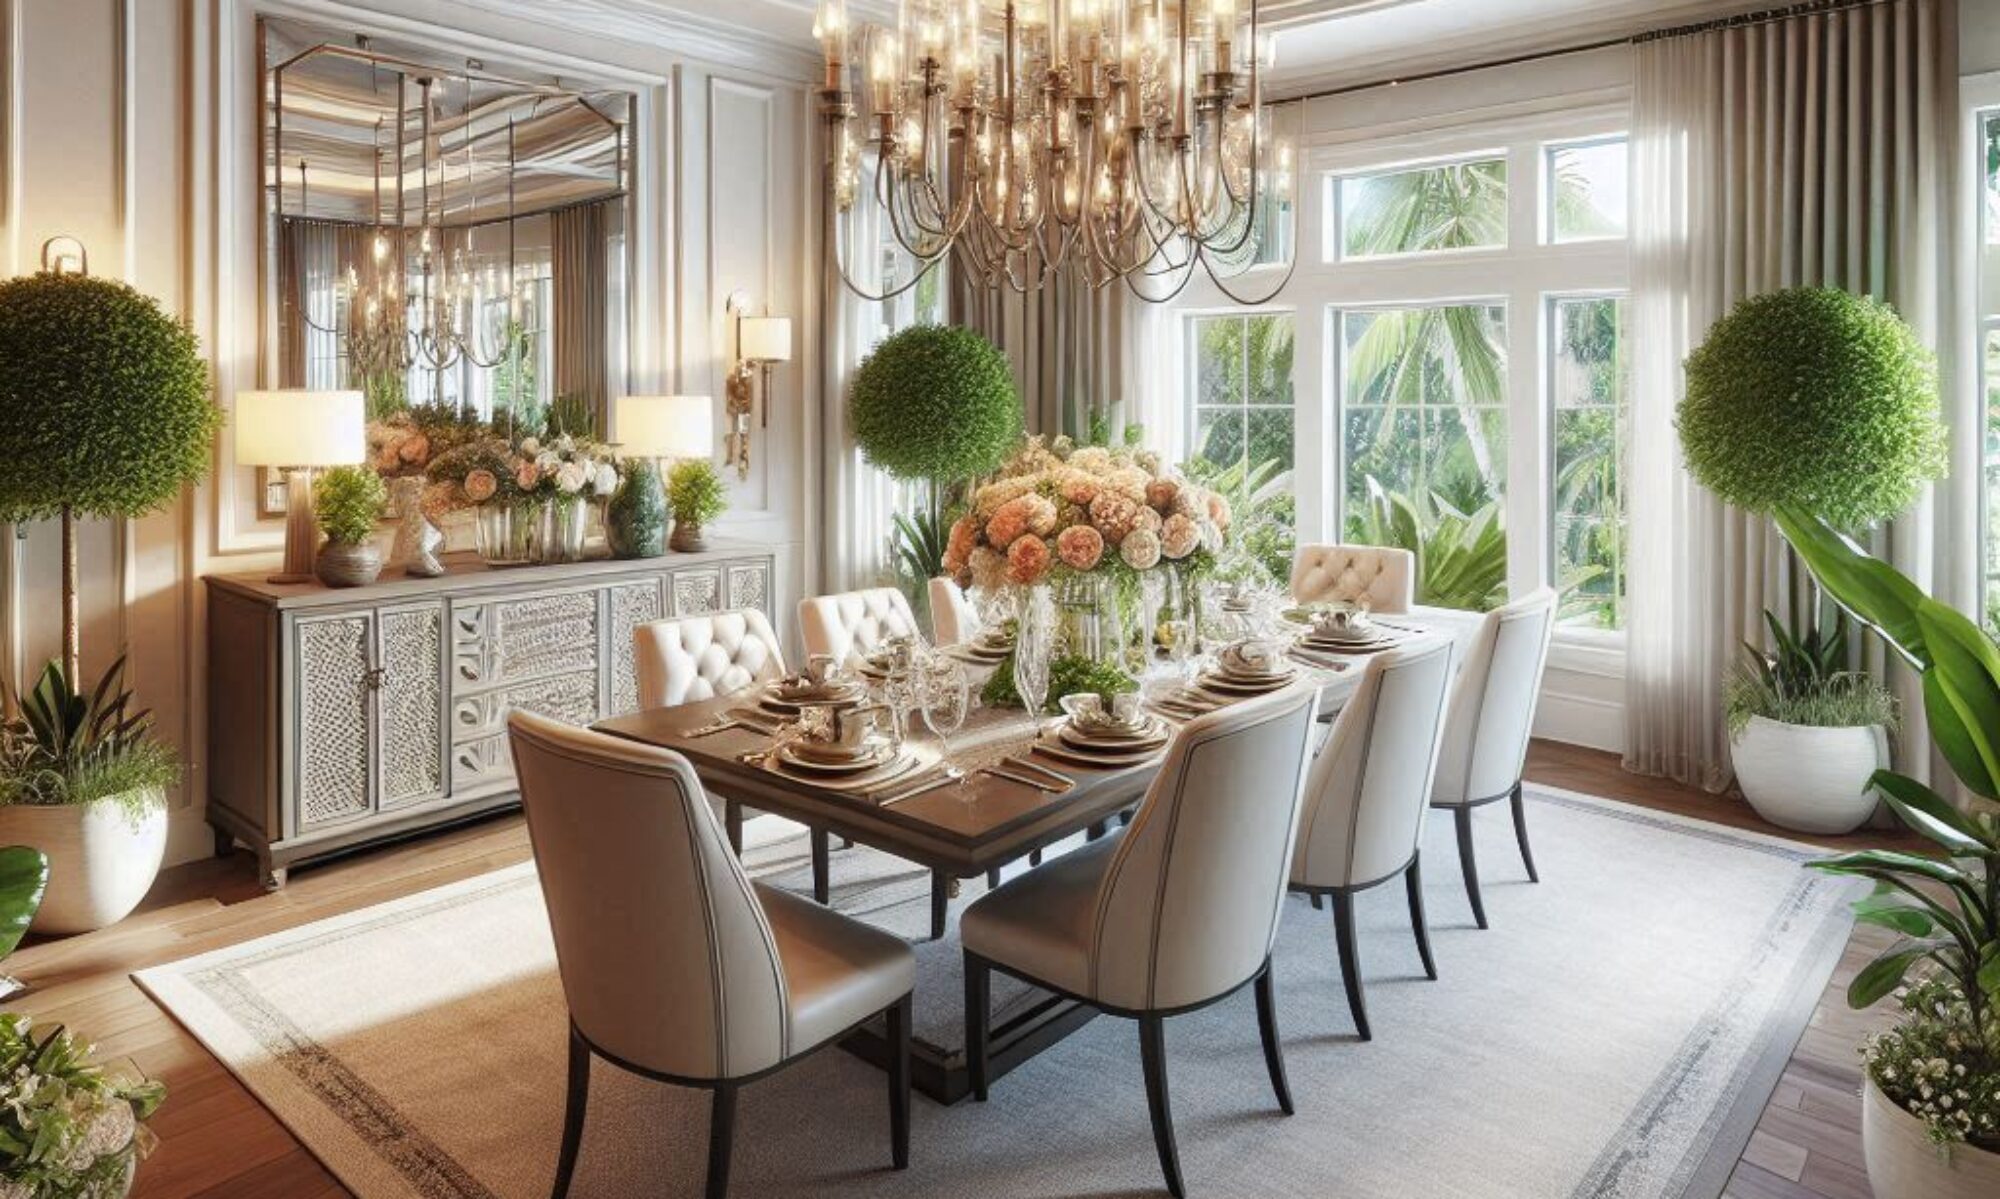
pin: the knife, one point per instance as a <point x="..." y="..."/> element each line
<point x="1025" y="780"/>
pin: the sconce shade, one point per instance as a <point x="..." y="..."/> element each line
<point x="300" y="428"/>
<point x="666" y="426"/>
<point x="764" y="338"/>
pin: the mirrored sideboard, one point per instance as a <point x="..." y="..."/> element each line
<point x="338" y="718"/>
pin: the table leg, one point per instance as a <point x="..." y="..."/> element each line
<point x="940" y="895"/>
<point x="732" y="823"/>
<point x="821" y="867"/>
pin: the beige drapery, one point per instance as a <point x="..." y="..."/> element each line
<point x="1066" y="344"/>
<point x="580" y="286"/>
<point x="312" y="258"/>
<point x="1811" y="150"/>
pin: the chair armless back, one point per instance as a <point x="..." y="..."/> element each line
<point x="666" y="958"/>
<point x="854" y="622"/>
<point x="1188" y="908"/>
<point x="1492" y="712"/>
<point x="700" y="657"/>
<point x="953" y="622"/>
<point x="1382" y="577"/>
<point x="1368" y="789"/>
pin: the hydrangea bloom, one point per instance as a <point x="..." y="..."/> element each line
<point x="1141" y="549"/>
<point x="1027" y="560"/>
<point x="1179" y="537"/>
<point x="1080" y="547"/>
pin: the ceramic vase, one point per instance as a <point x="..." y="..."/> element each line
<point x="348" y="564"/>
<point x="635" y="523"/>
<point x="1810" y="780"/>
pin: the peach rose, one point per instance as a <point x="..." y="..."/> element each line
<point x="1027" y="560"/>
<point x="989" y="568"/>
<point x="1160" y="494"/>
<point x="415" y="449"/>
<point x="1041" y="514"/>
<point x="1179" y="537"/>
<point x="1113" y="514"/>
<point x="527" y="476"/>
<point x="1079" y="489"/>
<point x="480" y="485"/>
<point x="1146" y="519"/>
<point x="958" y="545"/>
<point x="1011" y="521"/>
<point x="1218" y="510"/>
<point x="1141" y="549"/>
<point x="1080" y="547"/>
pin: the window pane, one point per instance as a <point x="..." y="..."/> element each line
<point x="1458" y="206"/>
<point x="1588" y="381"/>
<point x="1268" y="354"/>
<point x="1218" y="360"/>
<point x="1218" y="435"/>
<point x="1587" y="190"/>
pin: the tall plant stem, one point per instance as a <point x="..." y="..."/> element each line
<point x="72" y="650"/>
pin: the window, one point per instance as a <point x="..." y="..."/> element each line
<point x="1989" y="359"/>
<point x="1242" y="372"/>
<point x="1423" y="210"/>
<point x="1586" y="186"/>
<point x="1588" y="383"/>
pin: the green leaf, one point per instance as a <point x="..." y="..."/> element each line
<point x="1882" y="975"/>
<point x="1893" y="912"/>
<point x="1966" y="670"/>
<point x="1873" y="592"/>
<point x="1989" y="975"/>
<point x="1927" y="812"/>
<point x="24" y="877"/>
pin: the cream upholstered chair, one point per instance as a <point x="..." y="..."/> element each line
<point x="1367" y="794"/>
<point x="953" y="622"/>
<point x="1487" y="727"/>
<point x="854" y="623"/>
<point x="674" y="964"/>
<point x="1382" y="577"/>
<point x="1173" y="913"/>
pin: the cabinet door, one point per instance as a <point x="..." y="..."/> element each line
<point x="632" y="604"/>
<point x="333" y="738"/>
<point x="697" y="591"/>
<point x="750" y="586"/>
<point x="411" y="703"/>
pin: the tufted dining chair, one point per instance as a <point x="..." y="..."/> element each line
<point x="1382" y="577"/>
<point x="1173" y="913"/>
<point x="1487" y="726"/>
<point x="1367" y="793"/>
<point x="676" y="966"/>
<point x="953" y="622"/>
<point x="854" y="623"/>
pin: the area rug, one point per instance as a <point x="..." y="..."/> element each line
<point x="1614" y="1034"/>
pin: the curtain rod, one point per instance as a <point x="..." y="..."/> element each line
<point x="1764" y="17"/>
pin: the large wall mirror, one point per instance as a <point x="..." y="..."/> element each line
<point x="444" y="231"/>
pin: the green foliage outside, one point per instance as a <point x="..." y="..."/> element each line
<point x="1816" y="398"/>
<point x="66" y="1126"/>
<point x="934" y="403"/>
<point x="1461" y="556"/>
<point x="516" y="391"/>
<point x="71" y="746"/>
<point x="1266" y="506"/>
<point x="349" y="501"/>
<point x="695" y="491"/>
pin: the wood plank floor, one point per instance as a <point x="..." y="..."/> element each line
<point x="216" y="1140"/>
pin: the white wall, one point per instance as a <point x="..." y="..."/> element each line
<point x="132" y="125"/>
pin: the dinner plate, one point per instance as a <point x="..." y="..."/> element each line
<point x="792" y="755"/>
<point x="1254" y="678"/>
<point x="1346" y="645"/>
<point x="826" y="753"/>
<point x="887" y="775"/>
<point x="1229" y="686"/>
<point x="1083" y="742"/>
<point x="1063" y="752"/>
<point x="771" y="701"/>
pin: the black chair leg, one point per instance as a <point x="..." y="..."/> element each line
<point x="978" y="988"/>
<point x="1350" y="961"/>
<point x="1521" y="833"/>
<point x="1468" y="864"/>
<point x="821" y="869"/>
<point x="579" y="1094"/>
<point x="1267" y="1027"/>
<point x="1413" y="882"/>
<point x="1034" y="857"/>
<point x="1153" y="1052"/>
<point x="732" y="823"/>
<point x="992" y="878"/>
<point x="899" y="1082"/>
<point x="721" y="1134"/>
<point x="1319" y="902"/>
<point x="940" y="898"/>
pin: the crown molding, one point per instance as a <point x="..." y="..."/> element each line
<point x="679" y="31"/>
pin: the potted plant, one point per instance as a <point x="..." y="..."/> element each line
<point x="695" y="493"/>
<point x="1805" y="733"/>
<point x="68" y="1130"/>
<point x="635" y="521"/>
<point x="349" y="501"/>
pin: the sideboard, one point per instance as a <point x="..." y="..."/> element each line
<point x="343" y="717"/>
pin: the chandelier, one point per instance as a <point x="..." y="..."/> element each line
<point x="1124" y="140"/>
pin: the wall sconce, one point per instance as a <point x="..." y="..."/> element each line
<point x="761" y="342"/>
<point x="65" y="255"/>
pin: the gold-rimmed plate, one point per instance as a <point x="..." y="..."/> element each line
<point x="793" y="754"/>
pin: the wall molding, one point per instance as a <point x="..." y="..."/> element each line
<point x="679" y="31"/>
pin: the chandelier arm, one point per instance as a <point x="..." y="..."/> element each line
<point x="834" y="242"/>
<point x="1222" y="283"/>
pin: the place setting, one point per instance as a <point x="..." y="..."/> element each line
<point x="843" y="748"/>
<point x="821" y="684"/>
<point x="1333" y="632"/>
<point x="989" y="648"/>
<point x="1105" y="732"/>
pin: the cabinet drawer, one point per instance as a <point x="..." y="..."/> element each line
<point x="510" y="640"/>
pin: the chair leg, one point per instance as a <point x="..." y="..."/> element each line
<point x="579" y="1095"/>
<point x="1521" y="833"/>
<point x="1413" y="882"/>
<point x="978" y="998"/>
<point x="821" y="868"/>
<point x="1267" y="1027"/>
<point x="899" y="1082"/>
<point x="1034" y="857"/>
<point x="1318" y="902"/>
<point x="721" y="1135"/>
<point x="1153" y="1053"/>
<point x="732" y="823"/>
<point x="940" y="898"/>
<point x="1468" y="864"/>
<point x="992" y="878"/>
<point x="1350" y="961"/>
<point x="1125" y="817"/>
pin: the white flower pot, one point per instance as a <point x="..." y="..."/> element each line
<point x="1810" y="780"/>
<point x="1904" y="1164"/>
<point x="101" y="860"/>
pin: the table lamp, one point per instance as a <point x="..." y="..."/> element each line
<point x="650" y="428"/>
<point x="299" y="431"/>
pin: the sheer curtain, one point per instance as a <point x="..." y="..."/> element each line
<point x="1813" y="150"/>
<point x="1070" y="346"/>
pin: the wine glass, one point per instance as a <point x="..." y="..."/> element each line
<point x="945" y="695"/>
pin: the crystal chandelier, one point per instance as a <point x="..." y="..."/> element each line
<point x="1122" y="139"/>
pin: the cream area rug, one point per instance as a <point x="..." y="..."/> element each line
<point x="1615" y="1033"/>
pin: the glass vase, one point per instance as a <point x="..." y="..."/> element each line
<point x="565" y="523"/>
<point x="507" y="533"/>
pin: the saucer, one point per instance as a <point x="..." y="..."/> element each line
<point x="796" y="754"/>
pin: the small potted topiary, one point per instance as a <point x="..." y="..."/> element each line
<point x="349" y="501"/>
<point x="695" y="493"/>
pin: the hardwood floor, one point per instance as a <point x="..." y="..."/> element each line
<point x="216" y="1140"/>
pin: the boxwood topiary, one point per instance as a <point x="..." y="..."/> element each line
<point x="934" y="402"/>
<point x="1816" y="398"/>
<point x="348" y="500"/>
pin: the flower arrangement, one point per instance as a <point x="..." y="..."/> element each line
<point x="66" y="1127"/>
<point x="491" y="469"/>
<point x="405" y="443"/>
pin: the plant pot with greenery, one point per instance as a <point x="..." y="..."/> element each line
<point x="349" y="501"/>
<point x="68" y="1128"/>
<point x="695" y="493"/>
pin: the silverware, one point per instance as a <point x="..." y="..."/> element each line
<point x="946" y="779"/>
<point x="720" y="726"/>
<point x="1027" y="763"/>
<point x="1042" y="785"/>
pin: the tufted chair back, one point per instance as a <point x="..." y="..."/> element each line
<point x="1188" y="908"/>
<point x="1369" y="787"/>
<point x="666" y="957"/>
<point x="700" y="657"/>
<point x="854" y="623"/>
<point x="1492" y="711"/>
<point x="1385" y="578"/>
<point x="953" y="622"/>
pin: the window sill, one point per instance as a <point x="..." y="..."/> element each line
<point x="1599" y="652"/>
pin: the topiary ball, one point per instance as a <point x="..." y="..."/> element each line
<point x="106" y="396"/>
<point x="935" y="402"/>
<point x="1813" y="398"/>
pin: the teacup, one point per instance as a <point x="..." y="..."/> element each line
<point x="1251" y="658"/>
<point x="841" y="729"/>
<point x="822" y="669"/>
<point x="1345" y="623"/>
<point x="1091" y="712"/>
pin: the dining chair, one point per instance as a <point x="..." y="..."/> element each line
<point x="1175" y="912"/>
<point x="953" y="622"/>
<point x="1383" y="577"/>
<point x="1367" y="793"/>
<point x="1487" y="726"/>
<point x="676" y="966"/>
<point x="855" y="623"/>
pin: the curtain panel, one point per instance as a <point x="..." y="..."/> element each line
<point x="1069" y="345"/>
<point x="1814" y="150"/>
<point x="580" y="248"/>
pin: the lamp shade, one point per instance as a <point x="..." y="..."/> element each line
<point x="300" y="428"/>
<point x="764" y="338"/>
<point x="666" y="426"/>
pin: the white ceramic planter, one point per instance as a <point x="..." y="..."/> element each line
<point x="1810" y="780"/>
<point x="101" y="861"/>
<point x="1904" y="1164"/>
